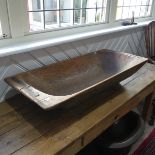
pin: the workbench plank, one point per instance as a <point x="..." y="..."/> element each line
<point x="13" y="119"/>
<point x="7" y="107"/>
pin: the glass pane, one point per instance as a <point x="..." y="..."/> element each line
<point x="132" y="3"/>
<point x="66" y="18"/>
<point x="66" y="4"/>
<point x="99" y="3"/>
<point x="90" y="15"/>
<point x="90" y="3"/>
<point x="48" y="14"/>
<point x="119" y="13"/>
<point x="50" y="4"/>
<point x="140" y="8"/>
<point x="125" y="13"/>
<point x="84" y="4"/>
<point x="132" y="10"/>
<point x="36" y="21"/>
<point x="145" y="2"/>
<point x="77" y="15"/>
<point x="120" y="3"/>
<point x="139" y="2"/>
<point x="105" y="3"/>
<point x="83" y="16"/>
<point x="104" y="15"/>
<point x="137" y="11"/>
<point x="143" y="10"/>
<point x="126" y="3"/>
<point x="150" y="2"/>
<point x="99" y="15"/>
<point x="34" y="5"/>
<point x="77" y="3"/>
<point x="51" y="19"/>
<point x="148" y="11"/>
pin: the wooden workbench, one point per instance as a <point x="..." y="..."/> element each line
<point x="26" y="129"/>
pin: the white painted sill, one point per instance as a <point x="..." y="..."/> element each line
<point x="29" y="43"/>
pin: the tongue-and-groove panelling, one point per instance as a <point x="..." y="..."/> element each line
<point x="131" y="41"/>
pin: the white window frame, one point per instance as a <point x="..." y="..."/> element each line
<point x="19" y="24"/>
<point x="136" y="18"/>
<point x="4" y="19"/>
<point x="70" y="27"/>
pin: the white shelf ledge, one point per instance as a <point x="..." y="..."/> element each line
<point x="28" y="43"/>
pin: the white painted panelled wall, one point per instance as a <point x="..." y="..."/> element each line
<point x="131" y="41"/>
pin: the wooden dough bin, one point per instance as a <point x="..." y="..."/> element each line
<point x="55" y="84"/>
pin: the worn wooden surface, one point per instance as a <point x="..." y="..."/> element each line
<point x="26" y="129"/>
<point x="55" y="84"/>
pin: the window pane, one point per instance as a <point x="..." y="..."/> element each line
<point x="90" y="3"/>
<point x="79" y="17"/>
<point x="99" y="3"/>
<point x="125" y="12"/>
<point x="34" y="5"/>
<point x="66" y="4"/>
<point x="143" y="11"/>
<point x="77" y="4"/>
<point x="132" y="9"/>
<point x="51" y="19"/>
<point x="132" y="3"/>
<point x="84" y="4"/>
<point x="36" y="21"/>
<point x="126" y="3"/>
<point x="148" y="2"/>
<point x="119" y="13"/>
<point x="50" y="14"/>
<point x="104" y="15"/>
<point x="148" y="11"/>
<point x="90" y="15"/>
<point x="120" y="3"/>
<point x="137" y="11"/>
<point x="66" y="18"/>
<point x="139" y="2"/>
<point x="99" y="15"/>
<point x="50" y="4"/>
<point x="126" y="8"/>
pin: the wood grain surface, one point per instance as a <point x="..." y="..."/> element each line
<point x="26" y="129"/>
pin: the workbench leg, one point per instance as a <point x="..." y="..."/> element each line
<point x="151" y="122"/>
<point x="147" y="106"/>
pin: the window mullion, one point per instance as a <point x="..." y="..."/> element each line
<point x="26" y="17"/>
<point x="112" y="10"/>
<point x="153" y="9"/>
<point x="96" y="12"/>
<point x="72" y="13"/>
<point x="81" y="11"/>
<point x="59" y="13"/>
<point x="16" y="17"/>
<point x="43" y="17"/>
<point x="4" y="19"/>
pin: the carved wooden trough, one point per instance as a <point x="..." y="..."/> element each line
<point x="57" y="83"/>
